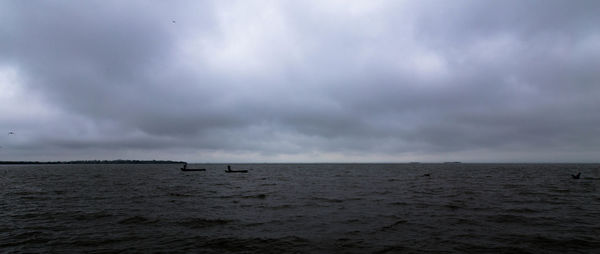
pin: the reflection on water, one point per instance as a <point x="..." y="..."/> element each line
<point x="279" y="208"/>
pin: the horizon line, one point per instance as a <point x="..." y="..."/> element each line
<point x="125" y="161"/>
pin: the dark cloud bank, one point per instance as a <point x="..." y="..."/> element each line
<point x="301" y="81"/>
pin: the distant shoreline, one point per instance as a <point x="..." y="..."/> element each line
<point x="273" y="163"/>
<point x="92" y="162"/>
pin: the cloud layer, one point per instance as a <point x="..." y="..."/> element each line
<point x="300" y="81"/>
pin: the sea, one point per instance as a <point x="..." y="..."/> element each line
<point x="300" y="208"/>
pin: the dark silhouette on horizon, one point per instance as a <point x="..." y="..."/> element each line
<point x="191" y="169"/>
<point x="235" y="171"/>
<point x="576" y="176"/>
<point x="95" y="162"/>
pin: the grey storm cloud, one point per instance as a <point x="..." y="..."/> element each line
<point x="301" y="80"/>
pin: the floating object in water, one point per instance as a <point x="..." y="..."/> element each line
<point x="427" y="174"/>
<point x="11" y="133"/>
<point x="191" y="169"/>
<point x="234" y="171"/>
<point x="576" y="176"/>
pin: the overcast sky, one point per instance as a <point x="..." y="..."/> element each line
<point x="301" y="81"/>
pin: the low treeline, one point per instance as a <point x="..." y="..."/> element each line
<point x="95" y="162"/>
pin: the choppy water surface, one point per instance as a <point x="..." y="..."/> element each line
<point x="301" y="208"/>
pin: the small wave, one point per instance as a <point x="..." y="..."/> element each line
<point x="532" y="193"/>
<point x="462" y="221"/>
<point x="28" y="215"/>
<point x="27" y="193"/>
<point x="591" y="178"/>
<point x="554" y="244"/>
<point x="508" y="218"/>
<point x="473" y="248"/>
<point x="329" y="200"/>
<point x="30" y="234"/>
<point x="202" y="223"/>
<point x="353" y="221"/>
<point x="393" y="249"/>
<point x="423" y="205"/>
<point x="279" y="207"/>
<point x="179" y="194"/>
<point x="255" y="245"/>
<point x="34" y="198"/>
<point x="255" y="224"/>
<point x="259" y="196"/>
<point x="521" y="210"/>
<point x="91" y="216"/>
<point x="453" y="206"/>
<point x="137" y="220"/>
<point x="512" y="186"/>
<point x="393" y="225"/>
<point x="96" y="242"/>
<point x="351" y="244"/>
<point x="32" y="237"/>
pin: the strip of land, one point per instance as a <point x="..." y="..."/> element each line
<point x="93" y="162"/>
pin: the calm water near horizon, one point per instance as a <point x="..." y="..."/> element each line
<point x="301" y="208"/>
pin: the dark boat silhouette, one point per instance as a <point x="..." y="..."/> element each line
<point x="234" y="171"/>
<point x="191" y="169"/>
